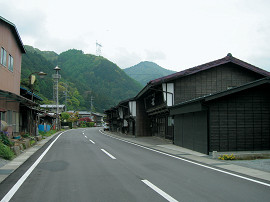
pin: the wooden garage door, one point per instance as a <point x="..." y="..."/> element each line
<point x="190" y="131"/>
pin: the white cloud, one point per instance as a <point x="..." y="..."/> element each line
<point x="176" y="34"/>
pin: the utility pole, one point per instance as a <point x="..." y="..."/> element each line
<point x="66" y="96"/>
<point x="92" y="99"/>
<point x="56" y="78"/>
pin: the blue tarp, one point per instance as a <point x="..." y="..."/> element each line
<point x="44" y="128"/>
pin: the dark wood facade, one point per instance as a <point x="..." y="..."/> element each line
<point x="142" y="120"/>
<point x="122" y="118"/>
<point x="241" y="121"/>
<point x="232" y="120"/>
<point x="212" y="80"/>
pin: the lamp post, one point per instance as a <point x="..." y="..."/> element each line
<point x="32" y="79"/>
<point x="56" y="77"/>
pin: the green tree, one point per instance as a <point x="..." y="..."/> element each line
<point x="65" y="116"/>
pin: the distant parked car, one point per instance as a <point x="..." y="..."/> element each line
<point x="106" y="127"/>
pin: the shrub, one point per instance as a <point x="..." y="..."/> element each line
<point x="32" y="142"/>
<point x="227" y="157"/>
<point x="5" y="139"/>
<point x="83" y="124"/>
<point x="26" y="135"/>
<point x="6" y="152"/>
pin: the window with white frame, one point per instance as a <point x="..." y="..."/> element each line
<point x="3" y="57"/>
<point x="10" y="63"/>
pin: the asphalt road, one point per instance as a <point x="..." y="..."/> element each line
<point x="86" y="165"/>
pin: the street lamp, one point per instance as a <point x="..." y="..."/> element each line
<point x="56" y="77"/>
<point x="32" y="79"/>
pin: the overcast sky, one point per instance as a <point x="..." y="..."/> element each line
<point x="175" y="34"/>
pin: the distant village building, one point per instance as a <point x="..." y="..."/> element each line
<point x="97" y="118"/>
<point x="52" y="108"/>
<point x="222" y="105"/>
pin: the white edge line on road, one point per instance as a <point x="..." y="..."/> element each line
<point x="92" y="141"/>
<point x="108" y="153"/>
<point x="15" y="188"/>
<point x="189" y="161"/>
<point x="159" y="191"/>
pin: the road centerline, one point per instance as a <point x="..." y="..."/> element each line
<point x="111" y="156"/>
<point x="92" y="141"/>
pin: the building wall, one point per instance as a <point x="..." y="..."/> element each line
<point x="142" y="120"/>
<point x="11" y="116"/>
<point x="212" y="80"/>
<point x="10" y="81"/>
<point x="241" y="121"/>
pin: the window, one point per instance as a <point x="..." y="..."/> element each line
<point x="3" y="117"/>
<point x="3" y="57"/>
<point x="9" y="117"/>
<point x="10" y="63"/>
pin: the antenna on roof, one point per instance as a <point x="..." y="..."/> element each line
<point x="98" y="48"/>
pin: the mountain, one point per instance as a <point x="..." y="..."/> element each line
<point x="146" y="71"/>
<point x="48" y="55"/>
<point x="84" y="76"/>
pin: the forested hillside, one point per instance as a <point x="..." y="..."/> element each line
<point x="146" y="71"/>
<point x="82" y="75"/>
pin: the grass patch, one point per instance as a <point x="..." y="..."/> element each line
<point x="6" y="152"/>
<point x="48" y="133"/>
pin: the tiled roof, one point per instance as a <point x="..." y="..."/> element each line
<point x="24" y="91"/>
<point x="193" y="70"/>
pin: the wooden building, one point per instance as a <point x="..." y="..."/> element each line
<point x="237" y="119"/>
<point x="122" y="118"/>
<point x="184" y="107"/>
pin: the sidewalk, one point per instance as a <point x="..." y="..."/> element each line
<point x="8" y="167"/>
<point x="255" y="168"/>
